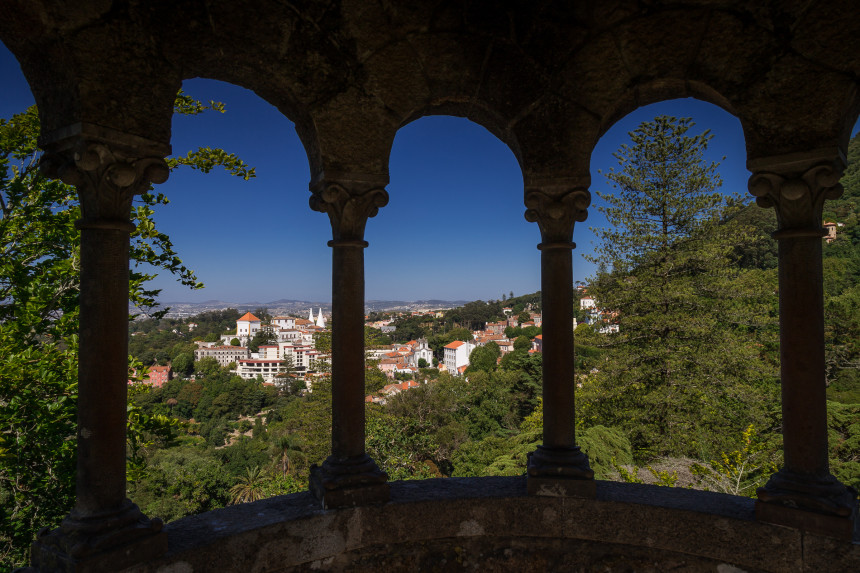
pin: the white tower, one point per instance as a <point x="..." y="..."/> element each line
<point x="320" y="319"/>
<point x="311" y="315"/>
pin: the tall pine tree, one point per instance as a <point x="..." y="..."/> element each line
<point x="689" y="367"/>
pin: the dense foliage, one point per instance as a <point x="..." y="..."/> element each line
<point x="694" y="360"/>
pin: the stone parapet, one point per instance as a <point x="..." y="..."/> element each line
<point x="492" y="524"/>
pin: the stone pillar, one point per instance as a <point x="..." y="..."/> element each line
<point x="348" y="476"/>
<point x="558" y="467"/>
<point x="803" y="493"/>
<point x="105" y="531"/>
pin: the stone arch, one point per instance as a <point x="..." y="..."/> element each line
<point x="459" y="163"/>
<point x="658" y="90"/>
<point x="476" y="113"/>
<point x="447" y="73"/>
<point x="297" y="114"/>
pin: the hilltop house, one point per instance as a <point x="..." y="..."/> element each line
<point x="457" y="356"/>
<point x="158" y="375"/>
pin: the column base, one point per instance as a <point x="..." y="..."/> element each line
<point x="349" y="482"/>
<point x="111" y="541"/>
<point x="560" y="472"/>
<point x="823" y="506"/>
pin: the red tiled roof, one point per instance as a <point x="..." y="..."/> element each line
<point x="249" y="316"/>
<point x="455" y="344"/>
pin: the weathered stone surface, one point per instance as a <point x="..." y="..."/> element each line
<point x="491" y="524"/>
<point x="788" y="69"/>
<point x="839" y="527"/>
<point x="561" y="487"/>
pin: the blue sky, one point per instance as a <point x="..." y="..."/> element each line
<point x="453" y="228"/>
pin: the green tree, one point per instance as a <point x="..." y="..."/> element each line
<point x="844" y="438"/>
<point x="261" y="337"/>
<point x="484" y="358"/>
<point x="182" y="481"/>
<point x="183" y="364"/>
<point x="374" y="380"/>
<point x="522" y="343"/>
<point x="690" y="364"/>
<point x="207" y="366"/>
<point x="400" y="446"/>
<point x="322" y="341"/>
<point x="842" y="285"/>
<point x="287" y="447"/>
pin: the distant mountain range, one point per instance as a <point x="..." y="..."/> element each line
<point x="285" y="306"/>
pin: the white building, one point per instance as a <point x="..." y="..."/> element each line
<point x="223" y="354"/>
<point x="267" y="368"/>
<point x="248" y="325"/>
<point x="284" y="322"/>
<point x="457" y="355"/>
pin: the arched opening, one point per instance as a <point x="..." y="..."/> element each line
<point x="454" y="181"/>
<point x="241" y="428"/>
<point x="678" y="352"/>
<point x="452" y="235"/>
<point x="267" y="241"/>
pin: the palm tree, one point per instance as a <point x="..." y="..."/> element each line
<point x="249" y="487"/>
<point x="286" y="445"/>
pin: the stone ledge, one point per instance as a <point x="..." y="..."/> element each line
<point x="493" y="520"/>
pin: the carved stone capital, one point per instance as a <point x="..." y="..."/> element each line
<point x="556" y="210"/>
<point x="107" y="178"/>
<point x="796" y="186"/>
<point x="349" y="204"/>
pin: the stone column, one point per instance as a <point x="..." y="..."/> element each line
<point x="558" y="467"/>
<point x="105" y="530"/>
<point x="348" y="476"/>
<point x="803" y="493"/>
